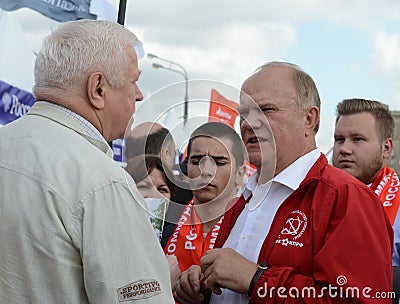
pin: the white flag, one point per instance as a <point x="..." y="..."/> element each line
<point x="104" y="10"/>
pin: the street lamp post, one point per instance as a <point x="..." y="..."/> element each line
<point x="172" y="69"/>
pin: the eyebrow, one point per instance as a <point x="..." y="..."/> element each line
<point x="215" y="157"/>
<point x="246" y="108"/>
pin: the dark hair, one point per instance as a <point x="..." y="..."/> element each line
<point x="378" y="110"/>
<point x="220" y="130"/>
<point x="141" y="166"/>
<point x="150" y="144"/>
<point x="156" y="140"/>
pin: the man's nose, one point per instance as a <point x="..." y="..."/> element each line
<point x="139" y="94"/>
<point x="207" y="167"/>
<point x="254" y="120"/>
<point x="345" y="147"/>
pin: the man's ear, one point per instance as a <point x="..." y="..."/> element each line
<point x="164" y="153"/>
<point x="312" y="119"/>
<point x="240" y="172"/>
<point x="387" y="147"/>
<point x="96" y="85"/>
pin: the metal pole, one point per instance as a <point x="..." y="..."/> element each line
<point x="121" y="12"/>
<point x="186" y="104"/>
<point x="183" y="73"/>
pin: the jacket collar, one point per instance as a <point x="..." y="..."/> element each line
<point x="316" y="170"/>
<point x="52" y="113"/>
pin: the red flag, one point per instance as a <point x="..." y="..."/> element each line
<point x="222" y="109"/>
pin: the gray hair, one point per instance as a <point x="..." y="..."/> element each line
<point x="76" y="49"/>
<point x="307" y="92"/>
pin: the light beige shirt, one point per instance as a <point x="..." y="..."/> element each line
<point x="72" y="225"/>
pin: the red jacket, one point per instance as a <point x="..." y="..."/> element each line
<point x="331" y="234"/>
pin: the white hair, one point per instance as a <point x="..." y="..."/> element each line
<point x="76" y="49"/>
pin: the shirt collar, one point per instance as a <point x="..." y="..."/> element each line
<point x="291" y="177"/>
<point x="250" y="186"/>
<point x="87" y="127"/>
<point x="72" y="121"/>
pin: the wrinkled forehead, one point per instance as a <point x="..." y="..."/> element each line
<point x="248" y="100"/>
<point x="274" y="84"/>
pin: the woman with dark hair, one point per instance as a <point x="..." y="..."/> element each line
<point x="152" y="176"/>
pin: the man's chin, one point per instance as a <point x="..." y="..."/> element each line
<point x="255" y="158"/>
<point x="263" y="163"/>
<point x="350" y="171"/>
<point x="204" y="198"/>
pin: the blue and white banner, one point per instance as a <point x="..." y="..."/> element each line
<point x="14" y="102"/>
<point x="118" y="147"/>
<point x="59" y="10"/>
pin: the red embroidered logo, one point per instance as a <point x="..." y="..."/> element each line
<point x="138" y="290"/>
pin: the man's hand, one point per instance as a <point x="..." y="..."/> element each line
<point x="190" y="290"/>
<point x="174" y="272"/>
<point x="225" y="268"/>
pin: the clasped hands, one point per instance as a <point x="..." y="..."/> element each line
<point x="219" y="268"/>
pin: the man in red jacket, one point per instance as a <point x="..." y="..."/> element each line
<point x="311" y="233"/>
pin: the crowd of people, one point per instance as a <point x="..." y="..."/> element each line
<point x="75" y="226"/>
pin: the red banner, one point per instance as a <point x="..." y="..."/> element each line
<point x="222" y="109"/>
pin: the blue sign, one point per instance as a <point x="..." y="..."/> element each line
<point x="59" y="10"/>
<point x="118" y="147"/>
<point x="14" y="102"/>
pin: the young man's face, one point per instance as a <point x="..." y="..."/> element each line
<point x="212" y="169"/>
<point x="358" y="149"/>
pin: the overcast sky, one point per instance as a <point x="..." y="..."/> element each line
<point x="351" y="48"/>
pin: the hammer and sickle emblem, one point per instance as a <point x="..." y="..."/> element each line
<point x="292" y="226"/>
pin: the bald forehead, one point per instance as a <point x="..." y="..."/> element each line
<point x="145" y="129"/>
<point x="273" y="73"/>
<point x="276" y="80"/>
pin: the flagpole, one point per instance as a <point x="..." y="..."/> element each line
<point x="120" y="20"/>
<point x="121" y="12"/>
